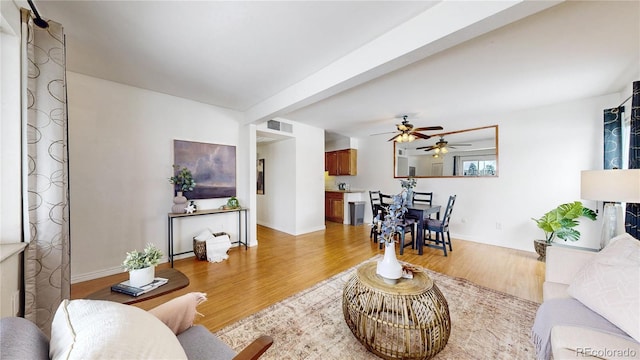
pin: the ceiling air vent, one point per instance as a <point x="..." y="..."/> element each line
<point x="279" y="126"/>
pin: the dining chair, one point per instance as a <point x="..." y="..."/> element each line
<point x="423" y="197"/>
<point x="386" y="199"/>
<point x="407" y="225"/>
<point x="374" y="197"/>
<point x="440" y="227"/>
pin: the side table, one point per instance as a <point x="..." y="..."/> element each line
<point x="177" y="281"/>
<point x="408" y="320"/>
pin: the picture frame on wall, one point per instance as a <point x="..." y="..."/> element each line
<point x="260" y="177"/>
<point x="213" y="167"/>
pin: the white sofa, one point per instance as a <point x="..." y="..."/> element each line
<point x="563" y="265"/>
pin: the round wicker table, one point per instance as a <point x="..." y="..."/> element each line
<point x="408" y="320"/>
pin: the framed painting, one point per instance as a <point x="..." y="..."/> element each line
<point x="213" y="167"/>
<point x="260" y="177"/>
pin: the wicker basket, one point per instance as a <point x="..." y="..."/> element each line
<point x="200" y="246"/>
<point x="541" y="249"/>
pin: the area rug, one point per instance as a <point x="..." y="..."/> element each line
<point x="486" y="324"/>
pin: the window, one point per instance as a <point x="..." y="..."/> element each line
<point x="479" y="167"/>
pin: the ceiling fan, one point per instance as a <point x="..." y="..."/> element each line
<point x="441" y="146"/>
<point x="409" y="133"/>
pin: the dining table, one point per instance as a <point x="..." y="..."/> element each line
<point x="420" y="212"/>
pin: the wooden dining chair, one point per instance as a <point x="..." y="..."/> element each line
<point x="386" y="199"/>
<point x="374" y="197"/>
<point x="440" y="227"/>
<point x="407" y="225"/>
<point x="423" y="197"/>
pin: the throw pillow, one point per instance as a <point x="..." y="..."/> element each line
<point x="610" y="284"/>
<point x="96" y="329"/>
<point x="178" y="314"/>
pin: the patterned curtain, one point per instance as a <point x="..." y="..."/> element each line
<point x="613" y="138"/>
<point x="632" y="215"/>
<point x="45" y="171"/>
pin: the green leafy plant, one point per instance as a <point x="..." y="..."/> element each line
<point x="183" y="179"/>
<point x="561" y="221"/>
<point x="141" y="259"/>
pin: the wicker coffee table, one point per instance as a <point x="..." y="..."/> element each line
<point x="408" y="320"/>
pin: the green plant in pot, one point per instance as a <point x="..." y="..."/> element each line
<point x="141" y="265"/>
<point x="560" y="223"/>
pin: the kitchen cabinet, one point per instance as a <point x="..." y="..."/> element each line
<point x="334" y="206"/>
<point x="331" y="162"/>
<point x="341" y="162"/>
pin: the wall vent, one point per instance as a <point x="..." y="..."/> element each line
<point x="279" y="126"/>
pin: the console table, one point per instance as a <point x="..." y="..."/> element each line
<point x="172" y="216"/>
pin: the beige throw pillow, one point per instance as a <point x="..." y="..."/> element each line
<point x="610" y="284"/>
<point x="95" y="329"/>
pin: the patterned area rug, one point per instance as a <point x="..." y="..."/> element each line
<point x="486" y="324"/>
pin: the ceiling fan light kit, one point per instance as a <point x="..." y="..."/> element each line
<point x="408" y="133"/>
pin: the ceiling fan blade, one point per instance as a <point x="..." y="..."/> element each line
<point x="460" y="144"/>
<point x="395" y="137"/>
<point x="426" y="148"/>
<point x="428" y="128"/>
<point x="383" y="133"/>
<point x="421" y="135"/>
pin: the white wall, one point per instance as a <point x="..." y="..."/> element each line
<point x="293" y="201"/>
<point x="541" y="154"/>
<point x="276" y="208"/>
<point x="121" y="156"/>
<point x="309" y="174"/>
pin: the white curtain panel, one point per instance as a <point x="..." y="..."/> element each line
<point x="45" y="171"/>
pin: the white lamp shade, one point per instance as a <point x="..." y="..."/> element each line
<point x="611" y="185"/>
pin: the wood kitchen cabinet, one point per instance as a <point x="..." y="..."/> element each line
<point x="341" y="162"/>
<point x="334" y="206"/>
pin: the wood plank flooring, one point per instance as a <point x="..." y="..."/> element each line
<point x="282" y="265"/>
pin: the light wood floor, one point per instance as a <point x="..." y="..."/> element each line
<point x="282" y="265"/>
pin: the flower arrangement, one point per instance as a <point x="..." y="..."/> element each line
<point x="408" y="184"/>
<point x="141" y="259"/>
<point x="393" y="218"/>
<point x="183" y="179"/>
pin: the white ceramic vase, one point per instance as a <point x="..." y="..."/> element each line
<point x="142" y="277"/>
<point x="389" y="267"/>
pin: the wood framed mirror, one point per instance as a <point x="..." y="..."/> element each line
<point x="462" y="153"/>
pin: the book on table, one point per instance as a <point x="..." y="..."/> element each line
<point x="126" y="288"/>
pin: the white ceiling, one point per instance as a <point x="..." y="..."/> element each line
<point x="352" y="67"/>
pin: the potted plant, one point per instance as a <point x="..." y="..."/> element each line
<point x="389" y="268"/>
<point x="141" y="265"/>
<point x="183" y="181"/>
<point x="560" y="223"/>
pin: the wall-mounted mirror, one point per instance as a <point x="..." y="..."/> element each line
<point x="463" y="153"/>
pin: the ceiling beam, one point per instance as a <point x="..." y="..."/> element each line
<point x="440" y="27"/>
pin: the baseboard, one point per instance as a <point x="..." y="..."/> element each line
<point x="95" y="274"/>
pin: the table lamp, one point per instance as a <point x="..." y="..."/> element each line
<point x="612" y="187"/>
